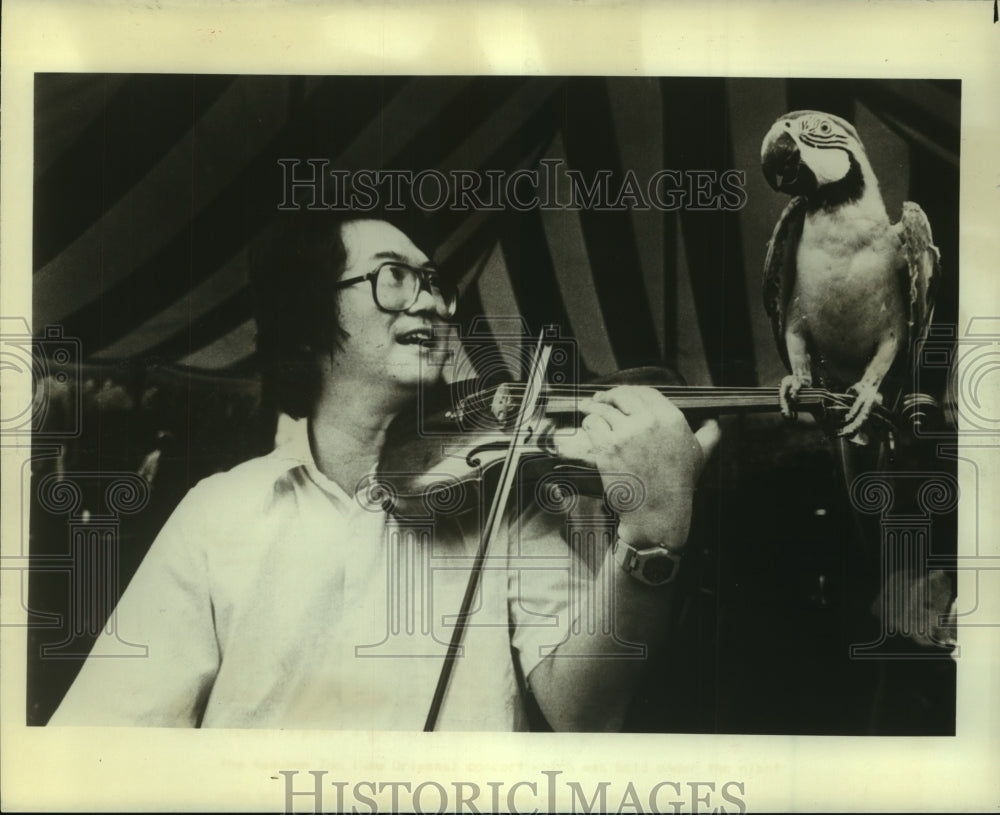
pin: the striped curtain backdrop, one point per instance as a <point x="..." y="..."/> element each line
<point x="148" y="189"/>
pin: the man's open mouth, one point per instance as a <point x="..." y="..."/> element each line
<point x="415" y="337"/>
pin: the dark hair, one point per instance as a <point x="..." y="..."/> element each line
<point x="293" y="266"/>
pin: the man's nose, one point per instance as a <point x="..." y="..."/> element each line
<point x="425" y="301"/>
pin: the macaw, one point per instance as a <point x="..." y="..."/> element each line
<point x="848" y="292"/>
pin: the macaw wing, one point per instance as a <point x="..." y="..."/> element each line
<point x="922" y="270"/>
<point x="780" y="270"/>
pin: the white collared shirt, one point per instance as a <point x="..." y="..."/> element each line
<point x="271" y="598"/>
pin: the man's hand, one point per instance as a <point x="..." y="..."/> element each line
<point x="632" y="430"/>
<point x="636" y="430"/>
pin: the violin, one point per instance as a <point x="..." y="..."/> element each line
<point x="481" y="429"/>
<point x="465" y="430"/>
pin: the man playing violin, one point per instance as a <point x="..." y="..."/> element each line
<point x="276" y="597"/>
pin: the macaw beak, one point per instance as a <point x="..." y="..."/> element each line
<point x="782" y="165"/>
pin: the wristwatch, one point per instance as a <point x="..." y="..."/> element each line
<point x="654" y="566"/>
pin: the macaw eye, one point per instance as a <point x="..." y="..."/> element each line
<point x="824" y="128"/>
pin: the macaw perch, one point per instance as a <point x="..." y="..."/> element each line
<point x="847" y="291"/>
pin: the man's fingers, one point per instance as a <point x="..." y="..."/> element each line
<point x="708" y="436"/>
<point x="611" y="415"/>
<point x="598" y="428"/>
<point x="577" y="446"/>
<point x="630" y="399"/>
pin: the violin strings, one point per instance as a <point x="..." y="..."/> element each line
<point x="487" y="396"/>
<point x="677" y="391"/>
<point x="685" y="395"/>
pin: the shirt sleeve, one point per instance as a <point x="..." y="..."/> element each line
<point x="167" y="610"/>
<point x="551" y="581"/>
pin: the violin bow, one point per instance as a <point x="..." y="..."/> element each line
<point x="491" y="528"/>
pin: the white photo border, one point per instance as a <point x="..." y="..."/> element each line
<point x="111" y="769"/>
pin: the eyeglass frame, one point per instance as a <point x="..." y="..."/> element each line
<point x="423" y="274"/>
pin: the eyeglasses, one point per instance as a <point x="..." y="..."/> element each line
<point x="396" y="287"/>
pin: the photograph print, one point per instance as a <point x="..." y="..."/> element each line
<point x="494" y="403"/>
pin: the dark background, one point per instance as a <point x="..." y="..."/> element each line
<point x="148" y="189"/>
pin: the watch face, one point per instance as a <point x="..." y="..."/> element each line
<point x="653" y="566"/>
<point x="659" y="569"/>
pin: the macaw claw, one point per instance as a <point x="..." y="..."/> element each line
<point x="867" y="396"/>
<point x="788" y="392"/>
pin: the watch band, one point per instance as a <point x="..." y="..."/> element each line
<point x="654" y="566"/>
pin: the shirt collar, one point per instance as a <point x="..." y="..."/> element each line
<point x="293" y="451"/>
